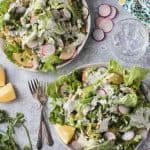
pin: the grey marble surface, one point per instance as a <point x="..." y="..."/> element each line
<point x="93" y="52"/>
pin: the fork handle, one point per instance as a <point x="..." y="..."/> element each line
<point x="39" y="141"/>
<point x="49" y="138"/>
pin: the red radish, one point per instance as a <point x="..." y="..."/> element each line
<point x="123" y="109"/>
<point x="102" y="92"/>
<point x="103" y="69"/>
<point x="113" y="13"/>
<point x="33" y="19"/>
<point x="104" y="10"/>
<point x="110" y="136"/>
<point x="106" y="25"/>
<point x="98" y="20"/>
<point x="127" y="136"/>
<point x="68" y="53"/>
<point x="48" y="49"/>
<point x="98" y="35"/>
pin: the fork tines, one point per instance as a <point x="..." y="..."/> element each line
<point x="33" y="85"/>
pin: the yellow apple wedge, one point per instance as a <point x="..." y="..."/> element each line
<point x="65" y="132"/>
<point x="2" y="76"/>
<point x="7" y="93"/>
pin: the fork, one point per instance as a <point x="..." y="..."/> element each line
<point x="38" y="91"/>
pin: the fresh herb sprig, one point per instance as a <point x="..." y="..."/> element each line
<point x="7" y="141"/>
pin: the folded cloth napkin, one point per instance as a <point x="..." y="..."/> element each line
<point x="140" y="8"/>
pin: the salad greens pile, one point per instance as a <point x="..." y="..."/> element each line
<point x="104" y="105"/>
<point x="42" y="34"/>
<point x="7" y="141"/>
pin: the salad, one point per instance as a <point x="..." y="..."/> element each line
<point x="104" y="106"/>
<point x="43" y="34"/>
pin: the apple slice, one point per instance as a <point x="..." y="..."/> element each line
<point x="2" y="76"/>
<point x="7" y="93"/>
<point x="65" y="132"/>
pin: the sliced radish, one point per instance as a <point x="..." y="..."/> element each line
<point x="98" y="35"/>
<point x="48" y="49"/>
<point x="113" y="13"/>
<point x="33" y="19"/>
<point x="98" y="20"/>
<point x="127" y="136"/>
<point x="103" y="69"/>
<point x="75" y="145"/>
<point x="102" y="92"/>
<point x="32" y="44"/>
<point x="106" y="25"/>
<point x="104" y="10"/>
<point x="110" y="136"/>
<point x="68" y="53"/>
<point x="123" y="109"/>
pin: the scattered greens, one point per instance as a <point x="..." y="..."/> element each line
<point x="105" y="106"/>
<point x="51" y="29"/>
<point x="7" y="141"/>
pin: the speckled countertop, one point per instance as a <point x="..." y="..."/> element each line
<point x="92" y="53"/>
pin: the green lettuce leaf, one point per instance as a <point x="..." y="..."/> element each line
<point x="50" y="63"/>
<point x="107" y="145"/>
<point x="73" y="81"/>
<point x="115" y="67"/>
<point x="134" y="76"/>
<point x="4" y="5"/>
<point x="131" y="77"/>
<point x="141" y="118"/>
<point x="129" y="100"/>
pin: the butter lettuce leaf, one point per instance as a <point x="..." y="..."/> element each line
<point x="134" y="76"/>
<point x="73" y="81"/>
<point x="4" y="5"/>
<point x="129" y="100"/>
<point x="115" y="67"/>
<point x="50" y="63"/>
<point x="141" y="118"/>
